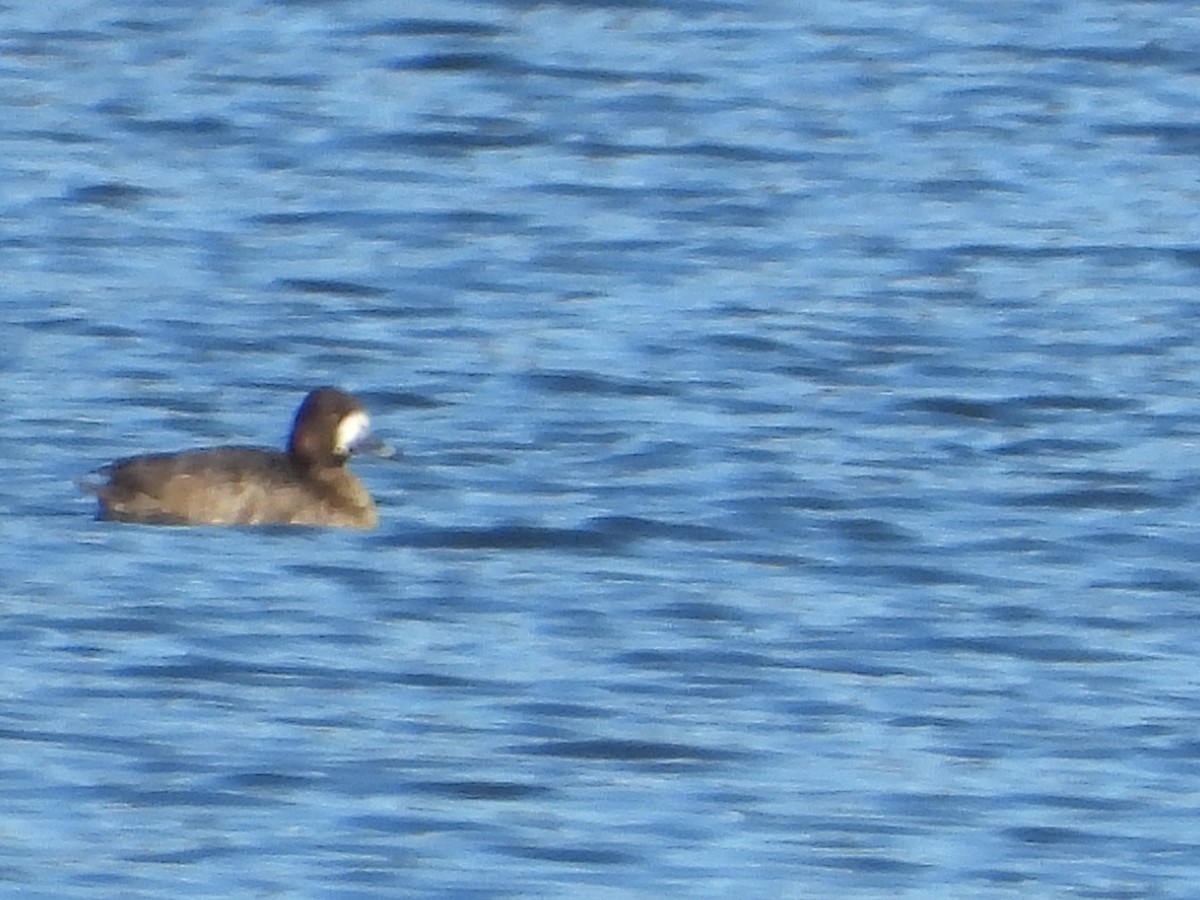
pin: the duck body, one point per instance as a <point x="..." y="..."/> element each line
<point x="307" y="484"/>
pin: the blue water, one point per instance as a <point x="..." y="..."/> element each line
<point x="797" y="407"/>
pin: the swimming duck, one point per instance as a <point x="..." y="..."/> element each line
<point x="308" y="484"/>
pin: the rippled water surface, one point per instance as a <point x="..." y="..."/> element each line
<point x="797" y="408"/>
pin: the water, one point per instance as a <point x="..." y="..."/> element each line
<point x="797" y="409"/>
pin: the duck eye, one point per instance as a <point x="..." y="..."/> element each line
<point x="351" y="431"/>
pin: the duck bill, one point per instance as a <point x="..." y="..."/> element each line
<point x="369" y="445"/>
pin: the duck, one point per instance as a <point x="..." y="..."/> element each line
<point x="307" y="483"/>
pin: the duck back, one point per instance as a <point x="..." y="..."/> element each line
<point x="232" y="486"/>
